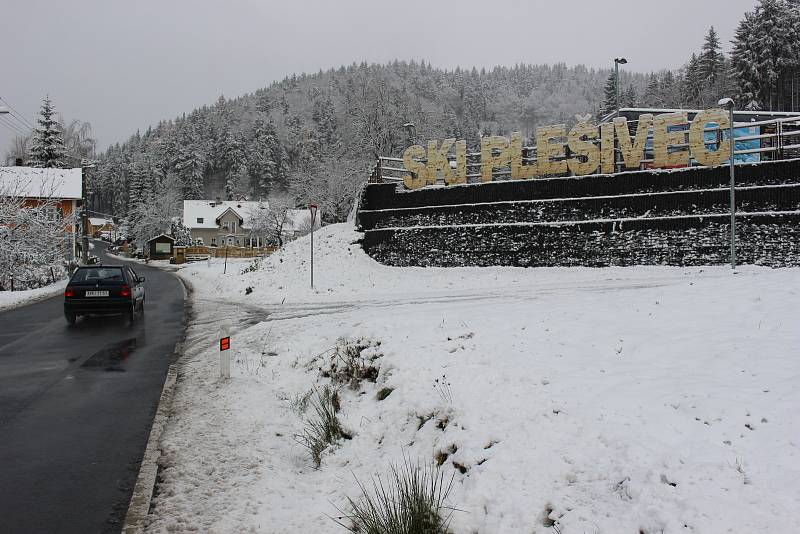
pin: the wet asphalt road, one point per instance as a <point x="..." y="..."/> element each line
<point x="76" y="405"/>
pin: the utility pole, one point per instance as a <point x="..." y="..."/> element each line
<point x="85" y="164"/>
<point x="313" y="209"/>
<point x="84" y="216"/>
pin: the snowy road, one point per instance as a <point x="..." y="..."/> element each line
<point x="76" y="407"/>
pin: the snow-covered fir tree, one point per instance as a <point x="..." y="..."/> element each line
<point x="182" y="235"/>
<point x="766" y="56"/>
<point x="47" y="147"/>
<point x="610" y="94"/>
<point x="711" y="59"/>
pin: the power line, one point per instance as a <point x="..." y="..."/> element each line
<point x="19" y="123"/>
<point x="20" y="116"/>
<point x="12" y="119"/>
<point x="11" y="126"/>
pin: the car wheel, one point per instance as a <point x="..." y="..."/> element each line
<point x="71" y="318"/>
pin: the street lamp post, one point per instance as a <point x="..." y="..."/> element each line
<point x="730" y="105"/>
<point x="617" y="62"/>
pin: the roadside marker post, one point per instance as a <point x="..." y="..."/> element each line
<point x="313" y="209"/>
<point x="224" y="351"/>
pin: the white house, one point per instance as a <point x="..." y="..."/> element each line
<point x="222" y="222"/>
<point x="230" y="222"/>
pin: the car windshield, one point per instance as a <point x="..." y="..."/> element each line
<point x="98" y="274"/>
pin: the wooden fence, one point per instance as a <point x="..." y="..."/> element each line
<point x="230" y="252"/>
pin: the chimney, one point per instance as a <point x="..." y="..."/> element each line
<point x="219" y="200"/>
<point x="18" y="162"/>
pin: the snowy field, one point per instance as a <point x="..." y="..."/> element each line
<point x="14" y="299"/>
<point x="638" y="400"/>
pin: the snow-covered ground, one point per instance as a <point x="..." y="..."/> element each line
<point x="14" y="299"/>
<point x="619" y="400"/>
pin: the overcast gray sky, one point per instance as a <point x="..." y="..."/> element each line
<point x="123" y="65"/>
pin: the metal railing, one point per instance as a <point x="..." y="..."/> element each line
<point x="778" y="139"/>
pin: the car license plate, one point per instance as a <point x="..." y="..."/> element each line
<point x="97" y="293"/>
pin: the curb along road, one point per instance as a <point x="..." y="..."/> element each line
<point x="139" y="506"/>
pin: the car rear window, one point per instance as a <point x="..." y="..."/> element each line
<point x="98" y="274"/>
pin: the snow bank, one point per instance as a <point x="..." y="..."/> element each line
<point x="592" y="400"/>
<point x="15" y="299"/>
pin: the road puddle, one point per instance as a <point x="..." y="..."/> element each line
<point x="111" y="357"/>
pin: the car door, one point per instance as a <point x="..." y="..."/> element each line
<point x="138" y="289"/>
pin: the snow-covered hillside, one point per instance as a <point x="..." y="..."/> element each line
<point x="561" y="400"/>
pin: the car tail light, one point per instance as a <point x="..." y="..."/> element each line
<point x="125" y="291"/>
<point x="69" y="292"/>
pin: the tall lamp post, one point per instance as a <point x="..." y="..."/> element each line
<point x="729" y="104"/>
<point x="617" y="62"/>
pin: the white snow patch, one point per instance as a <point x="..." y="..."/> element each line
<point x="15" y="299"/>
<point x="619" y="400"/>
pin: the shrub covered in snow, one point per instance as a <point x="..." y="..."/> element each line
<point x="322" y="428"/>
<point x="32" y="240"/>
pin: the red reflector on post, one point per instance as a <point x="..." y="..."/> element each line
<point x="225" y="343"/>
<point x="125" y="291"/>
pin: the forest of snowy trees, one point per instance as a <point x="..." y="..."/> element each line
<point x="315" y="137"/>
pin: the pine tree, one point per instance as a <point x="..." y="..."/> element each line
<point x="324" y="115"/>
<point x="265" y="157"/>
<point x="629" y="97"/>
<point x="190" y="162"/>
<point x="711" y="59"/>
<point x="692" y="84"/>
<point x="653" y="92"/>
<point x="47" y="149"/>
<point x="610" y="94"/>
<point x="670" y="90"/>
<point x="765" y="54"/>
<point x="182" y="235"/>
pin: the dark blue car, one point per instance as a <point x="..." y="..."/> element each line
<point x="104" y="290"/>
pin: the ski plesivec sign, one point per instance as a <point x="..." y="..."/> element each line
<point x="585" y="149"/>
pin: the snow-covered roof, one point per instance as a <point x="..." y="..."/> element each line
<point x="210" y="210"/>
<point x="99" y="221"/>
<point x="160" y="236"/>
<point x="32" y="182"/>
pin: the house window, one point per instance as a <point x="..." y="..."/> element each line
<point x="199" y="220"/>
<point x="51" y="214"/>
<point x="233" y="227"/>
<point x="237" y="242"/>
<point x="224" y="225"/>
<point x="213" y="241"/>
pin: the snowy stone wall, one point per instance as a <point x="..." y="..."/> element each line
<point x="639" y="218"/>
